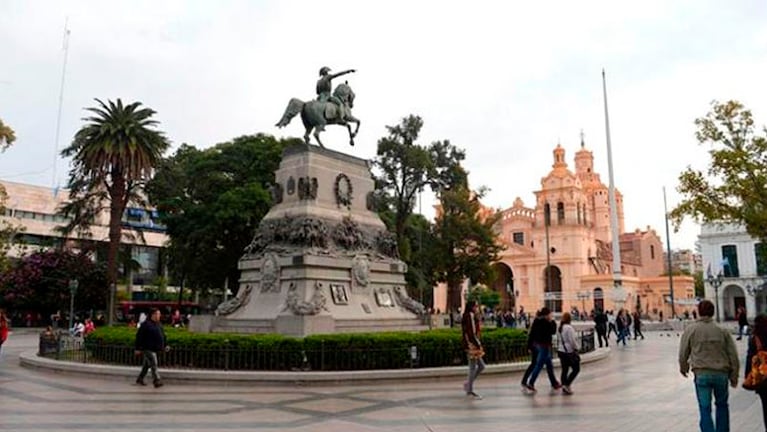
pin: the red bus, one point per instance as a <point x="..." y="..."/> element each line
<point x="131" y="309"/>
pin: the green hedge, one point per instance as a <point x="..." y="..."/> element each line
<point x="352" y="351"/>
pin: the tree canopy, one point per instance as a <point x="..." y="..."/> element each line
<point x="734" y="188"/>
<point x="7" y="136"/>
<point x="466" y="239"/>
<point x="405" y="168"/>
<point x="113" y="156"/>
<point x="211" y="202"/>
<point x="40" y="282"/>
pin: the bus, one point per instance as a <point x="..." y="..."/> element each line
<point x="130" y="310"/>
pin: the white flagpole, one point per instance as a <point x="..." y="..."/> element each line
<point x="618" y="293"/>
<point x="54" y="182"/>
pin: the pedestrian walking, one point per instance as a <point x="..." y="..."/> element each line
<point x="742" y="322"/>
<point x="470" y="326"/>
<point x="638" y="326"/>
<point x="757" y="343"/>
<point x="600" y="325"/>
<point x="533" y="360"/>
<point x="567" y="351"/>
<point x="710" y="352"/>
<point x="540" y="337"/>
<point x="150" y="340"/>
<point x="621" y="325"/>
<point x="611" y="328"/>
<point x="3" y="329"/>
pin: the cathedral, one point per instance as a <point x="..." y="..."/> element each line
<point x="559" y="253"/>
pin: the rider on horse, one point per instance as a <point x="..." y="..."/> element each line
<point x="325" y="87"/>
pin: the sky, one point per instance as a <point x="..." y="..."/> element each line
<point x="506" y="81"/>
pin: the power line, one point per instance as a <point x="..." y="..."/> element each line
<point x="61" y="102"/>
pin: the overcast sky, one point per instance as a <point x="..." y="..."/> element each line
<point x="504" y="80"/>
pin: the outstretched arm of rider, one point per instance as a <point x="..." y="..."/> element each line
<point x="342" y="73"/>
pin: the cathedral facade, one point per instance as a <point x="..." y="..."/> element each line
<point x="558" y="253"/>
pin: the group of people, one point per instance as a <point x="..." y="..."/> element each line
<point x="606" y="323"/>
<point x="539" y="343"/>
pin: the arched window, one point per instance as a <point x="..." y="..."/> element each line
<point x="560" y="213"/>
<point x="553" y="292"/>
<point x="579" y="213"/>
<point x="547" y="214"/>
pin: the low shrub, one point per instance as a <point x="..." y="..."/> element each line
<point x="350" y="351"/>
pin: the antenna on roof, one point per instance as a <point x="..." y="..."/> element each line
<point x="54" y="183"/>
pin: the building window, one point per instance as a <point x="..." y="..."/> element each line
<point x="519" y="238"/>
<point x="760" y="252"/>
<point x="652" y="252"/>
<point x="579" y="213"/>
<point x="560" y="213"/>
<point x="547" y="214"/>
<point x="730" y="261"/>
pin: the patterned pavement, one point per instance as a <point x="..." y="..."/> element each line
<point x="636" y="389"/>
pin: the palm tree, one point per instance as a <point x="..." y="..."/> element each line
<point x="115" y="151"/>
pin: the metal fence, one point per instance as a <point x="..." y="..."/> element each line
<point x="322" y="358"/>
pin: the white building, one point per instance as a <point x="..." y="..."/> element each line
<point x="742" y="261"/>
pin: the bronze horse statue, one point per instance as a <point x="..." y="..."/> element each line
<point x="317" y="114"/>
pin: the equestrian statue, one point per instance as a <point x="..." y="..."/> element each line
<point x="328" y="109"/>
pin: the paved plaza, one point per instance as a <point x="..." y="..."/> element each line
<point x="636" y="389"/>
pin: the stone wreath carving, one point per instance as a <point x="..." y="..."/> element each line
<point x="303" y="307"/>
<point x="307" y="188"/>
<point x="361" y="270"/>
<point x="291" y="186"/>
<point x="241" y="299"/>
<point x="343" y="190"/>
<point x="408" y="303"/>
<point x="277" y="193"/>
<point x="270" y="274"/>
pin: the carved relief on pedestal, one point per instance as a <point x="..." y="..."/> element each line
<point x="270" y="274"/>
<point x="302" y="307"/>
<point x="307" y="188"/>
<point x="384" y="298"/>
<point x="361" y="270"/>
<point x="404" y="300"/>
<point x="291" y="186"/>
<point x="241" y="299"/>
<point x="343" y="191"/>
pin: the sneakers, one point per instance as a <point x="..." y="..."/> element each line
<point x="566" y="390"/>
<point x="530" y="389"/>
<point x="556" y="386"/>
<point x="140" y="381"/>
<point x="158" y="384"/>
<point x="473" y="395"/>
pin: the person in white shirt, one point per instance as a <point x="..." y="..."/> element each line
<point x="567" y="350"/>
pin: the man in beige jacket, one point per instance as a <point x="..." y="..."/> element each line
<point x="710" y="352"/>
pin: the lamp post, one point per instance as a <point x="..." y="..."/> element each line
<point x="73" y="284"/>
<point x="715" y="282"/>
<point x="583" y="296"/>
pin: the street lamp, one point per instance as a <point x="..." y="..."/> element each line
<point x="73" y="284"/>
<point x="583" y="296"/>
<point x="715" y="282"/>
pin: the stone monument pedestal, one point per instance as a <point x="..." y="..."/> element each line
<point x="322" y="260"/>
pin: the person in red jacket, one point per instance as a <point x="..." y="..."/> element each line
<point x="3" y="328"/>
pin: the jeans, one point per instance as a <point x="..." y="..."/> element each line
<point x="476" y="366"/>
<point x="602" y="335"/>
<point x="568" y="362"/>
<point x="150" y="362"/>
<point x="529" y="370"/>
<point x="543" y="358"/>
<point x="707" y="385"/>
<point x="622" y="335"/>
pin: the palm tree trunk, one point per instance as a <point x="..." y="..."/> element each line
<point x="116" y="209"/>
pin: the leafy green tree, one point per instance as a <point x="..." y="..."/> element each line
<point x="466" y="238"/>
<point x="211" y="202"/>
<point x="7" y="136"/>
<point x="114" y="155"/>
<point x="734" y="188"/>
<point x="40" y="282"/>
<point x="700" y="290"/>
<point x="405" y="168"/>
<point x="484" y="296"/>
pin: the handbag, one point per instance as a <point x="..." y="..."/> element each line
<point x="757" y="377"/>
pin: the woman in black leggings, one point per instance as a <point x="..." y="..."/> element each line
<point x="754" y="345"/>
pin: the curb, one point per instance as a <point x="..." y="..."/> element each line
<point x="30" y="359"/>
